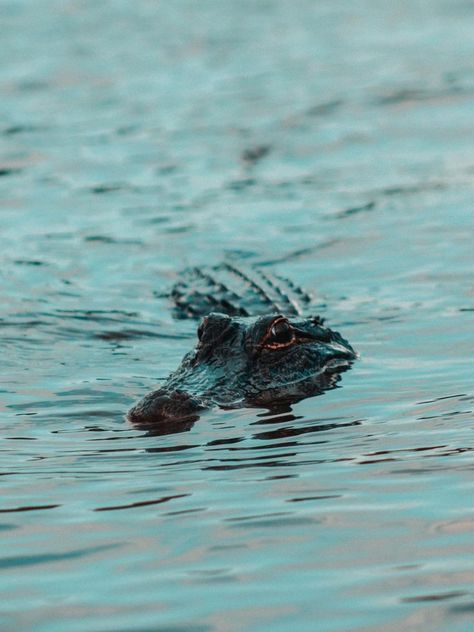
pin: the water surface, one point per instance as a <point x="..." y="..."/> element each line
<point x="329" y="142"/>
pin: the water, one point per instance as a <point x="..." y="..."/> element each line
<point x="331" y="142"/>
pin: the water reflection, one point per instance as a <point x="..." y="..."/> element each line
<point x="142" y="503"/>
<point x="301" y="429"/>
<point x="170" y="427"/>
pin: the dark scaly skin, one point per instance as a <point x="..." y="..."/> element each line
<point x="244" y="360"/>
<point x="227" y="289"/>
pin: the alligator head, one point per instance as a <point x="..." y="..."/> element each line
<point x="247" y="362"/>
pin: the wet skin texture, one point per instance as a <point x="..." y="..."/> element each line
<point x="250" y="361"/>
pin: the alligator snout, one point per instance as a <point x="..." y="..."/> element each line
<point x="165" y="406"/>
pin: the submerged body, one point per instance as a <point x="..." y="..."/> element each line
<point x="242" y="360"/>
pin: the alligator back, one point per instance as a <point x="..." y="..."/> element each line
<point x="235" y="291"/>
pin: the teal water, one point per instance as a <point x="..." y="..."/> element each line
<point x="331" y="142"/>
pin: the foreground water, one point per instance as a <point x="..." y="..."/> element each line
<point x="330" y="142"/>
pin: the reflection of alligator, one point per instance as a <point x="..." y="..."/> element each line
<point x="254" y="347"/>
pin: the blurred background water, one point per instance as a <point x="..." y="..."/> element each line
<point x="331" y="142"/>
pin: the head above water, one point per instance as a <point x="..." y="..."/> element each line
<point x="253" y="361"/>
<point x="270" y="350"/>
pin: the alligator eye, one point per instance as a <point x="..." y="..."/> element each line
<point x="279" y="334"/>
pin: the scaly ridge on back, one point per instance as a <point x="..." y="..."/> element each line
<point x="231" y="290"/>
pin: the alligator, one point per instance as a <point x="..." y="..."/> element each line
<point x="256" y="347"/>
